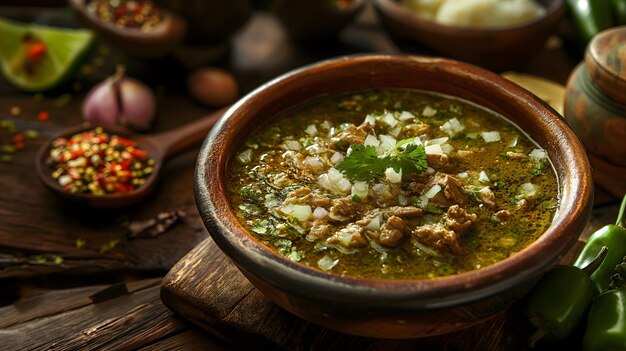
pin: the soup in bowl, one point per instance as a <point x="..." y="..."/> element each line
<point x="393" y="196"/>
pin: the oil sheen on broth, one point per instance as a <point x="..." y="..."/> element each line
<point x="393" y="184"/>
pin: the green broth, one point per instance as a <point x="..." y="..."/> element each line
<point x="519" y="179"/>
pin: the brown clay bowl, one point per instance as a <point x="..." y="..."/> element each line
<point x="157" y="42"/>
<point x="393" y="308"/>
<point x="495" y="48"/>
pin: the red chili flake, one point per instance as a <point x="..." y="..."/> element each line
<point x="125" y="142"/>
<point x="20" y="145"/>
<point x="18" y="138"/>
<point x="139" y="153"/>
<point x="36" y="51"/>
<point x="43" y="116"/>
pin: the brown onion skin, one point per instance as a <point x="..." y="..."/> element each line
<point x="212" y="86"/>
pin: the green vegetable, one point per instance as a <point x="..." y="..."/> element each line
<point x="362" y="162"/>
<point x="606" y="324"/>
<point x="560" y="300"/>
<point x="63" y="50"/>
<point x="613" y="237"/>
<point x="590" y="17"/>
<point x="619" y="11"/>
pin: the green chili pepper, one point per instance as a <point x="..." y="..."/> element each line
<point x="560" y="300"/>
<point x="590" y="17"/>
<point x="613" y="237"/>
<point x="606" y="324"/>
<point x="619" y="11"/>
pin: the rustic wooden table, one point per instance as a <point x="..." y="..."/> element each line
<point x="71" y="278"/>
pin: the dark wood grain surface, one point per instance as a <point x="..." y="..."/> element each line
<point x="53" y="309"/>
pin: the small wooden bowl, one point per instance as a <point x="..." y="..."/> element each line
<point x="157" y="42"/>
<point x="494" y="48"/>
<point x="393" y="308"/>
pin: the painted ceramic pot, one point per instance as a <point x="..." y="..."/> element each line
<point x="595" y="107"/>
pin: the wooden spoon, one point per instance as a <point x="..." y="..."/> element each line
<point x="160" y="147"/>
<point x="159" y="41"/>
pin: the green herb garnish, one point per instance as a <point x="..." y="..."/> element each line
<point x="362" y="162"/>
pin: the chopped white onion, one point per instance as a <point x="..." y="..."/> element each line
<point x="245" y="156"/>
<point x="396" y="131"/>
<point x="393" y="176"/>
<point x="336" y="158"/>
<point x="447" y="148"/>
<point x="326" y="263"/>
<point x="462" y="175"/>
<point x="311" y="130"/>
<point x="422" y="201"/>
<point x="370" y="119"/>
<point x="386" y="142"/>
<point x="490" y="137"/>
<point x="437" y="141"/>
<point x="403" y="200"/>
<point x="344" y="185"/>
<point x="371" y="140"/>
<point x="287" y="209"/>
<point x="360" y="189"/>
<point x="433" y="191"/>
<point x="418" y="141"/>
<point x="334" y="175"/>
<point x="302" y="212"/>
<point x="389" y="120"/>
<point x="483" y="177"/>
<point x="434" y="149"/>
<point x="528" y="190"/>
<point x="452" y="127"/>
<point x="538" y="154"/>
<point x="513" y="142"/>
<point x="406" y="115"/>
<point x="293" y="145"/>
<point x="313" y="162"/>
<point x="429" y="171"/>
<point x="374" y="224"/>
<point x="320" y="212"/>
<point x="429" y="111"/>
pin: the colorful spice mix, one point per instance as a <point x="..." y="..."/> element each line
<point x="140" y="14"/>
<point x="94" y="162"/>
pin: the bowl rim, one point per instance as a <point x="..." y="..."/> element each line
<point x="400" y="13"/>
<point x="296" y="278"/>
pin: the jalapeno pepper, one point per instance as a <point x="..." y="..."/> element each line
<point x="606" y="324"/>
<point x="590" y="17"/>
<point x="613" y="237"/>
<point x="560" y="300"/>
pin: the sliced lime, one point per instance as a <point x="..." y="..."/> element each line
<point x="63" y="50"/>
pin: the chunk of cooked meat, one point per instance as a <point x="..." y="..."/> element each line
<point x="503" y="214"/>
<point x="438" y="238"/>
<point x="458" y="220"/>
<point x="305" y="196"/>
<point x="451" y="190"/>
<point x="319" y="230"/>
<point x="300" y="170"/>
<point x="343" y="209"/>
<point x="439" y="162"/>
<point x="403" y="211"/>
<point x="349" y="237"/>
<point x="393" y="232"/>
<point x="350" y="135"/>
<point x="486" y="196"/>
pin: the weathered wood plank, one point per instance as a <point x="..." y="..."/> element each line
<point x="126" y="322"/>
<point x="192" y="340"/>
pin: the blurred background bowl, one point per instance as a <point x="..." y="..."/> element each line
<point x="494" y="48"/>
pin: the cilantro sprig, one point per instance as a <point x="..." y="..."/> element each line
<point x="362" y="162"/>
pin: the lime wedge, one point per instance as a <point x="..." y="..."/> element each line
<point x="64" y="48"/>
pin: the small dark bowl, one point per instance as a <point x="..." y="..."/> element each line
<point x="393" y="308"/>
<point x="314" y="20"/>
<point x="494" y="48"/>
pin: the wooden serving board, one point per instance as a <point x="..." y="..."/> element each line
<point x="206" y="288"/>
